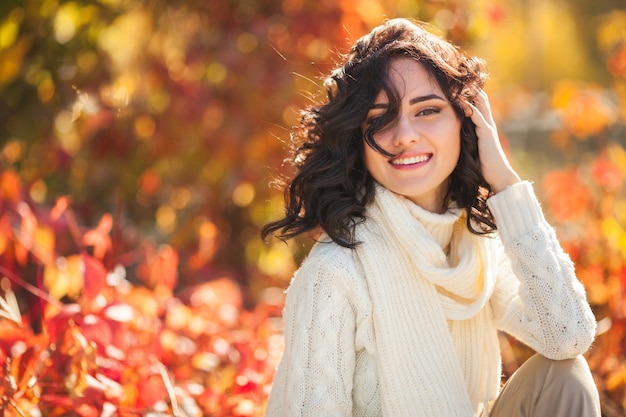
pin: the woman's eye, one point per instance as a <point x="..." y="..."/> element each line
<point x="428" y="111"/>
<point x="371" y="120"/>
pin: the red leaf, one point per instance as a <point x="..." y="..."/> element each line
<point x="606" y="174"/>
<point x="97" y="330"/>
<point x="568" y="196"/>
<point x="95" y="277"/>
<point x="57" y="325"/>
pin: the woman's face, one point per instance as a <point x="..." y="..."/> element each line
<point x="426" y="136"/>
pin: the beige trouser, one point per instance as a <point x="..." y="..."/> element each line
<point x="545" y="388"/>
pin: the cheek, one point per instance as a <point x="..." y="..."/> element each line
<point x="452" y="144"/>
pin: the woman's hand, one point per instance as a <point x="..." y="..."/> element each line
<point x="495" y="166"/>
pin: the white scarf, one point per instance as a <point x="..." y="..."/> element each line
<point x="423" y="302"/>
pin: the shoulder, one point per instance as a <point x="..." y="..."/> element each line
<point x="330" y="269"/>
<point x="330" y="257"/>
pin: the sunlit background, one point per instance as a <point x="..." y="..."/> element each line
<point x="139" y="141"/>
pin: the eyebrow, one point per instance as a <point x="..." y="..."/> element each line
<point x="424" y="98"/>
<point x="412" y="101"/>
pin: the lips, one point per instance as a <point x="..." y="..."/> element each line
<point x="412" y="160"/>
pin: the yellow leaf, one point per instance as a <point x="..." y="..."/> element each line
<point x="64" y="277"/>
<point x="43" y="244"/>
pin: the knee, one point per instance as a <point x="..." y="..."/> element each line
<point x="546" y="387"/>
<point x="574" y="369"/>
<point x="572" y="375"/>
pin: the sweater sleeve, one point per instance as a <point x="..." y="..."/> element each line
<point x="537" y="297"/>
<point x="315" y="374"/>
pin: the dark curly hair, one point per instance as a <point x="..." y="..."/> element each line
<point x="332" y="187"/>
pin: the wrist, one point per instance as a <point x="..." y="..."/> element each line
<point x="504" y="182"/>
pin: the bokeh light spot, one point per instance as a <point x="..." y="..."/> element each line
<point x="10" y="28"/>
<point x="65" y="22"/>
<point x="144" y="127"/>
<point x="213" y="117"/>
<point x="180" y="198"/>
<point x="38" y="191"/>
<point x="247" y="42"/>
<point x="243" y="195"/>
<point x="86" y="61"/>
<point x="216" y="73"/>
<point x="66" y="132"/>
<point x="445" y="19"/>
<point x="45" y="89"/>
<point x="159" y="102"/>
<point x="13" y="151"/>
<point x="317" y="49"/>
<point x="277" y="261"/>
<point x="166" y="219"/>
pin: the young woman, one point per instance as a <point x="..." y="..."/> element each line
<point x="429" y="244"/>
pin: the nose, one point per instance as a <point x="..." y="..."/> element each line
<point x="405" y="133"/>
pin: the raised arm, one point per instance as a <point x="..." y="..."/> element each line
<point x="537" y="298"/>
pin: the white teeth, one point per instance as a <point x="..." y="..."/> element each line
<point x="410" y="161"/>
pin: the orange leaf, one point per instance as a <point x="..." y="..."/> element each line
<point x="166" y="266"/>
<point x="10" y="333"/>
<point x="87" y="410"/>
<point x="59" y="208"/>
<point x="6" y="234"/>
<point x="43" y="245"/>
<point x="149" y="182"/>
<point x="64" y="277"/>
<point x="99" y="237"/>
<point x="10" y="186"/>
<point x="144" y="300"/>
<point x="217" y="293"/>
<point x="152" y="390"/>
<point x="27" y="231"/>
<point x="161" y="268"/>
<point x="95" y="277"/>
<point x="606" y="174"/>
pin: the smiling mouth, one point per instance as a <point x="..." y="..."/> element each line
<point x="411" y="161"/>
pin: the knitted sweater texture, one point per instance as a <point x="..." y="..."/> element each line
<point x="406" y="324"/>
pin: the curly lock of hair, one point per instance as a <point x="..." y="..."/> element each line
<point x="332" y="187"/>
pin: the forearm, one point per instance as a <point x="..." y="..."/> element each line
<point x="538" y="297"/>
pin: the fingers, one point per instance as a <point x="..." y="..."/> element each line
<point x="482" y="103"/>
<point x="495" y="166"/>
<point x="480" y="113"/>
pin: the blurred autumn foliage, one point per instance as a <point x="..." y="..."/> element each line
<point x="138" y="140"/>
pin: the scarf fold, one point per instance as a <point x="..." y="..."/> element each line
<point x="425" y="297"/>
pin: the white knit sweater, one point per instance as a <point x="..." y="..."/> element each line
<point x="400" y="329"/>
